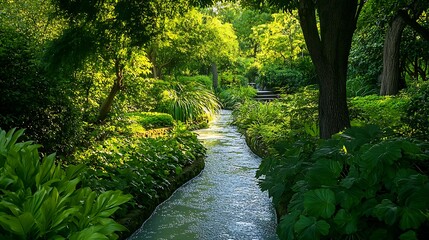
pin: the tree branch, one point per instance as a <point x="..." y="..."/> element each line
<point x="412" y="23"/>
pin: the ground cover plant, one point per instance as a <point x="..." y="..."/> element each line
<point x="284" y="120"/>
<point x="149" y="167"/>
<point x="40" y="200"/>
<point x="357" y="185"/>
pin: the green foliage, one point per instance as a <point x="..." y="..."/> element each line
<point x="143" y="167"/>
<point x="385" y="111"/>
<point x="231" y="97"/>
<point x="189" y="102"/>
<point x="206" y="81"/>
<point x="289" y="80"/>
<point x="33" y="100"/>
<point x="149" y="120"/>
<point x="417" y="112"/>
<point x="191" y="43"/>
<point x="42" y="201"/>
<point x="287" y="120"/>
<point x="359" y="87"/>
<point x="356" y="185"/>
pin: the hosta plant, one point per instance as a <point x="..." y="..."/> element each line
<point x="357" y="185"/>
<point x="40" y="200"/>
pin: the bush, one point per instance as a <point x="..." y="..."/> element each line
<point x="204" y="80"/>
<point x="143" y="167"/>
<point x="232" y="80"/>
<point x="190" y="102"/>
<point x="269" y="126"/>
<point x="31" y="99"/>
<point x="233" y="96"/>
<point x="417" y="113"/>
<point x="149" y="120"/>
<point x="357" y="185"/>
<point x="385" y="111"/>
<point x="289" y="80"/>
<point x="359" y="87"/>
<point x="40" y="200"/>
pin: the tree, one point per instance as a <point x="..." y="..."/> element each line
<point x="192" y="42"/>
<point x="404" y="11"/>
<point x="329" y="47"/>
<point x="111" y="30"/>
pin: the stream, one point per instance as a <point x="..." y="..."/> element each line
<point x="223" y="202"/>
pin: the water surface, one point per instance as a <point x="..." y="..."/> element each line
<point x="223" y="202"/>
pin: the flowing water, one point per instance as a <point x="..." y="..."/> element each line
<point x="223" y="202"/>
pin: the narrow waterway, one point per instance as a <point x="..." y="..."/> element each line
<point x="223" y="202"/>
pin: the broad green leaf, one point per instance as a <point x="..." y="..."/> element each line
<point x="349" y="198"/>
<point x="285" y="229"/>
<point x="320" y="202"/>
<point x="409" y="235"/>
<point x="346" y="221"/>
<point x="310" y="228"/>
<point x="324" y="172"/>
<point x="387" y="211"/>
<point x="411" y="218"/>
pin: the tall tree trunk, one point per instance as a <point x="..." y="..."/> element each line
<point x="329" y="52"/>
<point x="215" y="76"/>
<point x="391" y="75"/>
<point x="117" y="86"/>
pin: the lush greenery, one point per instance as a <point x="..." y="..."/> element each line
<point x="146" y="167"/>
<point x="366" y="182"/>
<point x="356" y="185"/>
<point x="40" y="200"/>
<point x="113" y="86"/>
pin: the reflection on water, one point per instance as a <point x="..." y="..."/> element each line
<point x="223" y="202"/>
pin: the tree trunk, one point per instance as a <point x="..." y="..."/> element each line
<point x="329" y="52"/>
<point x="390" y="77"/>
<point x="215" y="76"/>
<point x="117" y="86"/>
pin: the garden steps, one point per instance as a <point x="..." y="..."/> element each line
<point x="265" y="96"/>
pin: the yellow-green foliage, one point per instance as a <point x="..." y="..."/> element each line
<point x="141" y="121"/>
<point x="384" y="111"/>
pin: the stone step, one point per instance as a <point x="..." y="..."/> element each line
<point x="265" y="96"/>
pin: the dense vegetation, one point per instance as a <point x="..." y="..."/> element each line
<point x="114" y="88"/>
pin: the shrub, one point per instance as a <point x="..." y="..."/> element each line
<point x="417" y="112"/>
<point x="269" y="126"/>
<point x="140" y="166"/>
<point x="31" y="99"/>
<point x="359" y="87"/>
<point x="385" y="111"/>
<point x="40" y="200"/>
<point x="290" y="80"/>
<point x="189" y="102"/>
<point x="230" y="97"/>
<point x="149" y="120"/>
<point x="357" y="185"/>
<point x="204" y="80"/>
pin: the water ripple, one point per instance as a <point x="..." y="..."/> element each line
<point x="223" y="202"/>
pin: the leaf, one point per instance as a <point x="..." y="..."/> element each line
<point x="320" y="202"/>
<point x="324" y="172"/>
<point x="310" y="228"/>
<point x="346" y="221"/>
<point x="411" y="218"/>
<point x="358" y="136"/>
<point x="385" y="152"/>
<point x="409" y="235"/>
<point x="387" y="211"/>
<point x="285" y="229"/>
